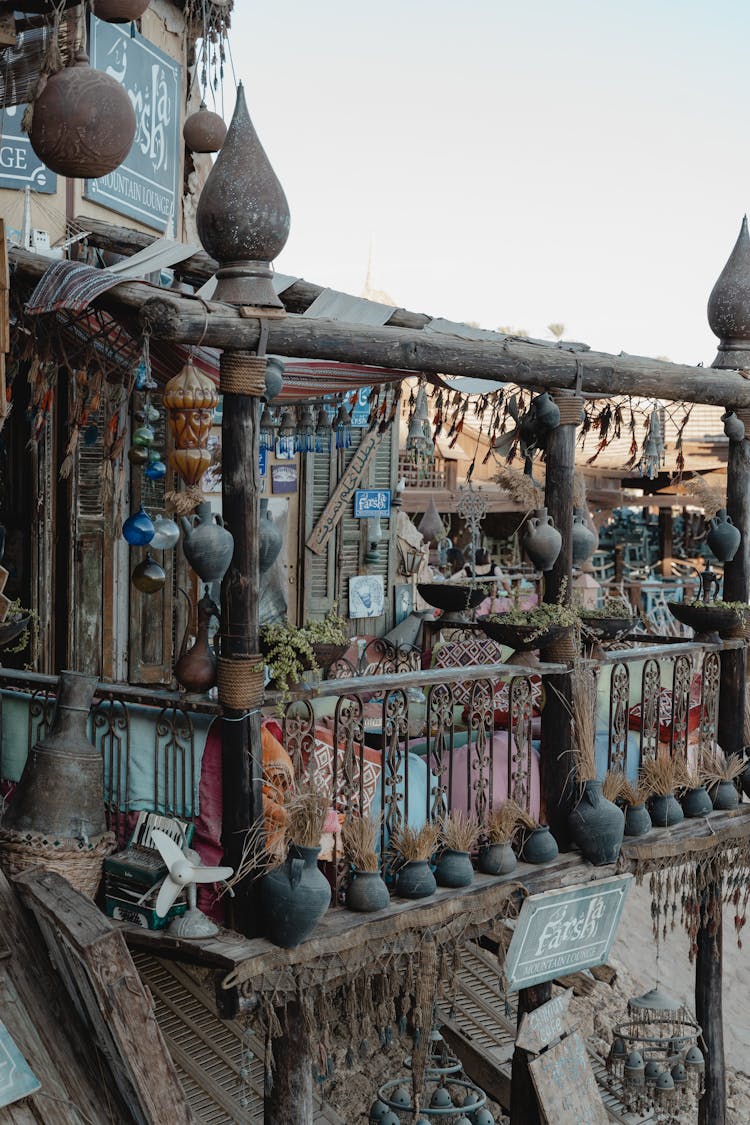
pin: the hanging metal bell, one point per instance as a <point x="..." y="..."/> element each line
<point x="148" y="576"/>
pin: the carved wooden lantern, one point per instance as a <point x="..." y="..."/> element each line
<point x="190" y="398"/>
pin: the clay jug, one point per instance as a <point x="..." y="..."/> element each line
<point x="271" y="539"/>
<point x="207" y="544"/>
<point x="61" y="791"/>
<point x="546" y="410"/>
<point x="542" y="541"/>
<point x="597" y="825"/>
<point x="637" y="820"/>
<point x="415" y="879"/>
<point x="723" y="537"/>
<point x="664" y="810"/>
<point x="540" y="846"/>
<point x="454" y="869"/>
<point x="367" y="892"/>
<point x="584" y="539"/>
<point x="294" y="897"/>
<point x="696" y="802"/>
<point x="195" y="669"/>
<point x="725" y="795"/>
<point x="496" y="859"/>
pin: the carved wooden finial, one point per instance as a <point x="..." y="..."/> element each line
<point x="243" y="215"/>
<point x="729" y="306"/>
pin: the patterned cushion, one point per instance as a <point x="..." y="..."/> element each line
<point x="665" y="711"/>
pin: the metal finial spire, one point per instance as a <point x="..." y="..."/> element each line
<point x="729" y="306"/>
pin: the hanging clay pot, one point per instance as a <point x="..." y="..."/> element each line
<point x="431" y="526"/>
<point x="637" y="820"/>
<point x="195" y="669"/>
<point x="584" y="539"/>
<point x="84" y="122"/>
<point x="546" y="411"/>
<point x="723" y="537"/>
<point x="542" y="541"/>
<point x="120" y="11"/>
<point x="207" y="544"/>
<point x="496" y="859"/>
<point x="294" y="897"/>
<point x="204" y="131"/>
<point x="270" y="539"/>
<point x="454" y="869"/>
<point x="597" y="825"/>
<point x="367" y="892"/>
<point x="148" y="576"/>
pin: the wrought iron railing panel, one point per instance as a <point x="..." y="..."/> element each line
<point x="650" y="694"/>
<point x="619" y="714"/>
<point x="682" y="679"/>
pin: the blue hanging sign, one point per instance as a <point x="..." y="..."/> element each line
<point x="360" y="408"/>
<point x="20" y="166"/>
<point x="17" y="1079"/>
<point x="372" y="502"/>
<point x="146" y="185"/>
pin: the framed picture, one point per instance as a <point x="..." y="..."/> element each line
<point x="403" y="597"/>
<point x="366" y="596"/>
<point x="283" y="478"/>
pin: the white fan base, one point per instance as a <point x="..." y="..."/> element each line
<point x="192" y="924"/>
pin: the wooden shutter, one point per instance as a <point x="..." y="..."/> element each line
<point x="91" y="570"/>
<point x="320" y="475"/>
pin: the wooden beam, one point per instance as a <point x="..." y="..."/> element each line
<point x="187" y="320"/>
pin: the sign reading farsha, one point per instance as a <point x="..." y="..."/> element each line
<point x="561" y="931"/>
<point x="145" y="186"/>
<point x="370" y="502"/>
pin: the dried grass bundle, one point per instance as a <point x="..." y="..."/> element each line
<point x="520" y="487"/>
<point x="706" y="497"/>
<point x="505" y="820"/>
<point x="583" y="716"/>
<point x="612" y="785"/>
<point x="307" y="808"/>
<point x="689" y="777"/>
<point x="358" y="837"/>
<point x="258" y="855"/>
<point x="459" y="831"/>
<point x="660" y="776"/>
<point x="632" y="794"/>
<point x="411" y="843"/>
<point x="716" y="767"/>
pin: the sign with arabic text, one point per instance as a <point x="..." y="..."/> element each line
<point x="17" y="1079"/>
<point x="20" y="166"/>
<point x="371" y="502"/>
<point x="563" y="931"/>
<point x="543" y="1025"/>
<point x="565" y="1085"/>
<point x="146" y="185"/>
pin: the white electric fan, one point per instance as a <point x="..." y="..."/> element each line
<point x="185" y="870"/>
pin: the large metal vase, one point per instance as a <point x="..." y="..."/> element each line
<point x="597" y="825"/>
<point x="294" y="897"/>
<point x="61" y="791"/>
<point x="207" y="544"/>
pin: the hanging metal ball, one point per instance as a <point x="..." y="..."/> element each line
<point x="138" y="455"/>
<point x="441" y="1098"/>
<point x="138" y="529"/>
<point x="84" y="122"/>
<point x="390" y="1119"/>
<point x="204" y="131"/>
<point x="148" y="576"/>
<point x="166" y="534"/>
<point x="120" y="11"/>
<point x="483" y="1117"/>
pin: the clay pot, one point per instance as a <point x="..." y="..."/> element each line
<point x="415" y="880"/>
<point x="367" y="892"/>
<point x="664" y="810"/>
<point x="723" y="537"/>
<point x="120" y="11"/>
<point x="207" y="544"/>
<point x="294" y="897"/>
<point x="696" y="802"/>
<point x="724" y="795"/>
<point x="637" y="820"/>
<point x="454" y="869"/>
<point x="270" y="539"/>
<point x="540" y="846"/>
<point x="584" y="539"/>
<point x="597" y="825"/>
<point x="542" y="541"/>
<point x="204" y="131"/>
<point x="84" y="122"/>
<point x="496" y="859"/>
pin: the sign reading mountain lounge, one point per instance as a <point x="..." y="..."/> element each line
<point x="146" y="184"/>
<point x="562" y="931"/>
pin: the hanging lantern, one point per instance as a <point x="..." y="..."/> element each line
<point x="287" y="433"/>
<point x="323" y="430"/>
<point x="431" y="524"/>
<point x="267" y="428"/>
<point x="190" y="398"/>
<point x="419" y="440"/>
<point x="204" y="131"/>
<point x="343" y="428"/>
<point x="305" y="436"/>
<point x="138" y="529"/>
<point x="83" y="122"/>
<point x="374" y="539"/>
<point x="148" y="576"/>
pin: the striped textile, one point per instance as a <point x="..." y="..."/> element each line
<point x="69" y="286"/>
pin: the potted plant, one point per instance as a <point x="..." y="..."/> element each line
<point x="329" y="638"/>
<point x="712" y="620"/>
<point x="539" y="845"/>
<point x="289" y="654"/>
<point x="693" y="794"/>
<point x="295" y="896"/>
<point x="596" y="824"/>
<point x="719" y="775"/>
<point x="612" y="618"/>
<point x="367" y="891"/>
<point x="496" y="856"/>
<point x="459" y="833"/>
<point x="660" y="777"/>
<point x="412" y="850"/>
<point x="522" y="630"/>
<point x="633" y="800"/>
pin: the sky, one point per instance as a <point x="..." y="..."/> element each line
<point x="512" y="162"/>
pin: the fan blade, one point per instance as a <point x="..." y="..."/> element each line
<point x="169" y="851"/>
<point x="168" y="892"/>
<point x="211" y="874"/>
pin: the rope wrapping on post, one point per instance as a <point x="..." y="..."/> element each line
<point x="241" y="373"/>
<point x="570" y="407"/>
<point x="240" y="681"/>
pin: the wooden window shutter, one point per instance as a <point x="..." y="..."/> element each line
<point x="319" y="570"/>
<point x="91" y="569"/>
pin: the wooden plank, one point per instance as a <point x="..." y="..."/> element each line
<point x="478" y="1063"/>
<point x="523" y="1102"/>
<point x="342" y="496"/>
<point x="565" y="1085"/>
<point x="104" y="984"/>
<point x="541" y="1026"/>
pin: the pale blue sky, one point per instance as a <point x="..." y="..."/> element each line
<point x="517" y="162"/>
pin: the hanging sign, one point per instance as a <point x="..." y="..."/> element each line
<point x="361" y="408"/>
<point x="345" y="489"/>
<point x="17" y="1079"/>
<point x="146" y="185"/>
<point x="371" y="502"/>
<point x="565" y="1085"/>
<point x="563" y="931"/>
<point x="20" y="166"/>
<point x="544" y="1024"/>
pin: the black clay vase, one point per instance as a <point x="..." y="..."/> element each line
<point x="540" y="846"/>
<point x="294" y="897"/>
<point x="597" y="825"/>
<point x="637" y="820"/>
<point x="454" y="869"/>
<point x="497" y="859"/>
<point x="367" y="892"/>
<point x="415" y="880"/>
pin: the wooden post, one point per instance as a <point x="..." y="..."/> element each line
<point x="242" y="757"/>
<point x="666" y="548"/>
<point x="524" y="1108"/>
<point x="289" y="1099"/>
<point x="557" y="761"/>
<point x="708" y="1011"/>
